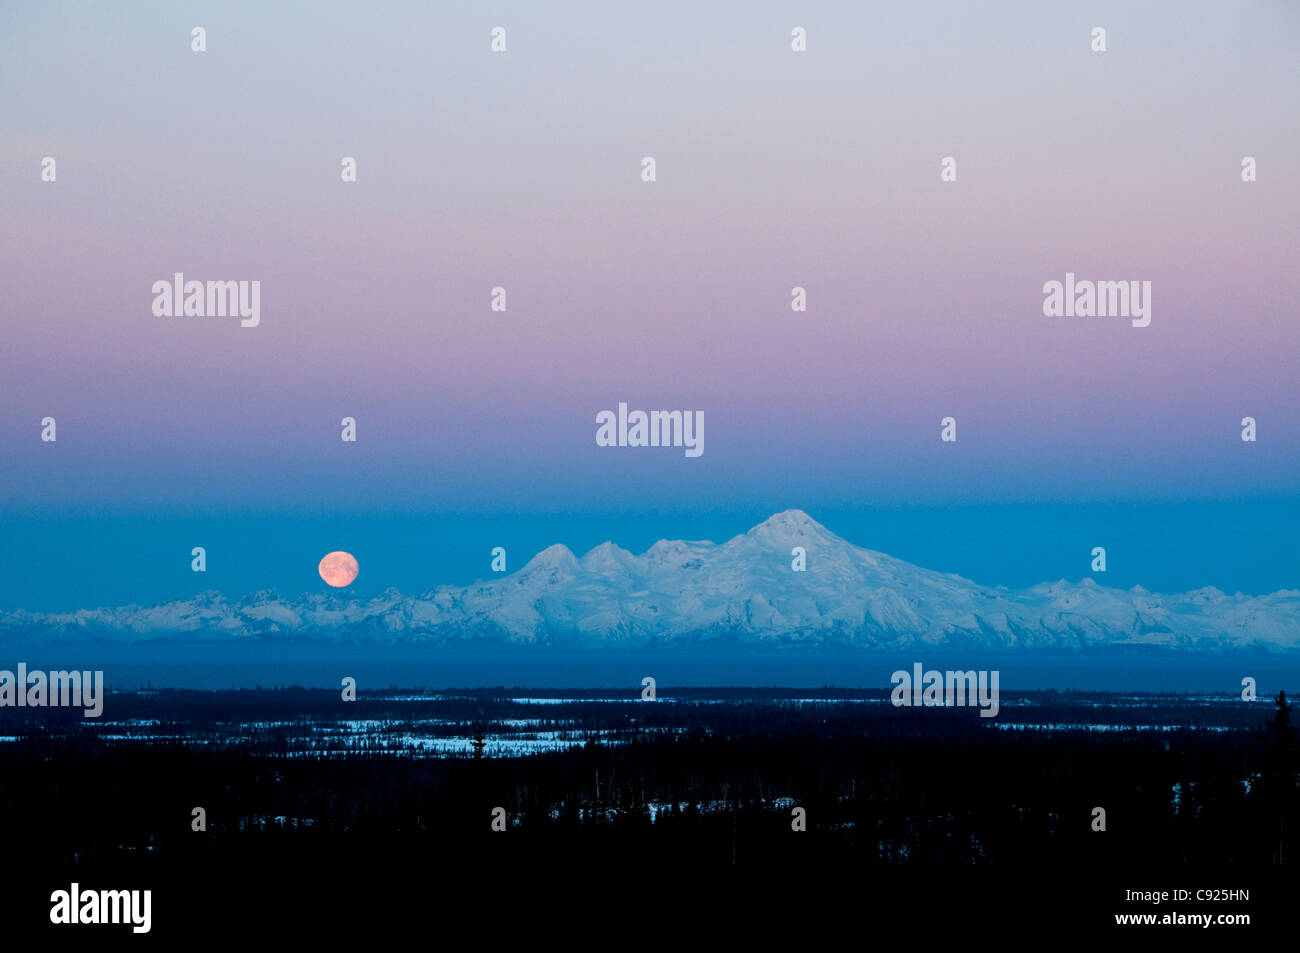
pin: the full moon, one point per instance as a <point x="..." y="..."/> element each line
<point x="339" y="569"/>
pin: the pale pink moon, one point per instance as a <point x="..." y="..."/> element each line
<point x="339" y="569"/>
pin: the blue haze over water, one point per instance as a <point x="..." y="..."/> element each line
<point x="380" y="667"/>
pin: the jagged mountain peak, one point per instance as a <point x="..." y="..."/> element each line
<point x="607" y="556"/>
<point x="747" y="590"/>
<point x="555" y="556"/>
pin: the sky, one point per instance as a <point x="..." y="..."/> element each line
<point x="522" y="170"/>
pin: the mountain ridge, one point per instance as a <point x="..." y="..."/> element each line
<point x="692" y="592"/>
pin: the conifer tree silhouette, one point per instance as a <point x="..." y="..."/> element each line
<point x="1280" y="771"/>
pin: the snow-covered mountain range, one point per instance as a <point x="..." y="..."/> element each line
<point x="743" y="590"/>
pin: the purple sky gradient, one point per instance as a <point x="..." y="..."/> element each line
<point x="775" y="170"/>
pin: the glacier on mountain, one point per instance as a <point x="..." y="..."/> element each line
<point x="697" y="592"/>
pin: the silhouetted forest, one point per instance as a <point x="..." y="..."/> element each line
<point x="703" y="777"/>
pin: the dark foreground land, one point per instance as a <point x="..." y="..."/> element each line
<point x="400" y="792"/>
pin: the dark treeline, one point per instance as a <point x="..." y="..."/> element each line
<point x="879" y="785"/>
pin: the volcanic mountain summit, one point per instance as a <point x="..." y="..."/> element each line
<point x="689" y="592"/>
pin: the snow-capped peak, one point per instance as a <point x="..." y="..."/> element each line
<point x="793" y="528"/>
<point x="747" y="589"/>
